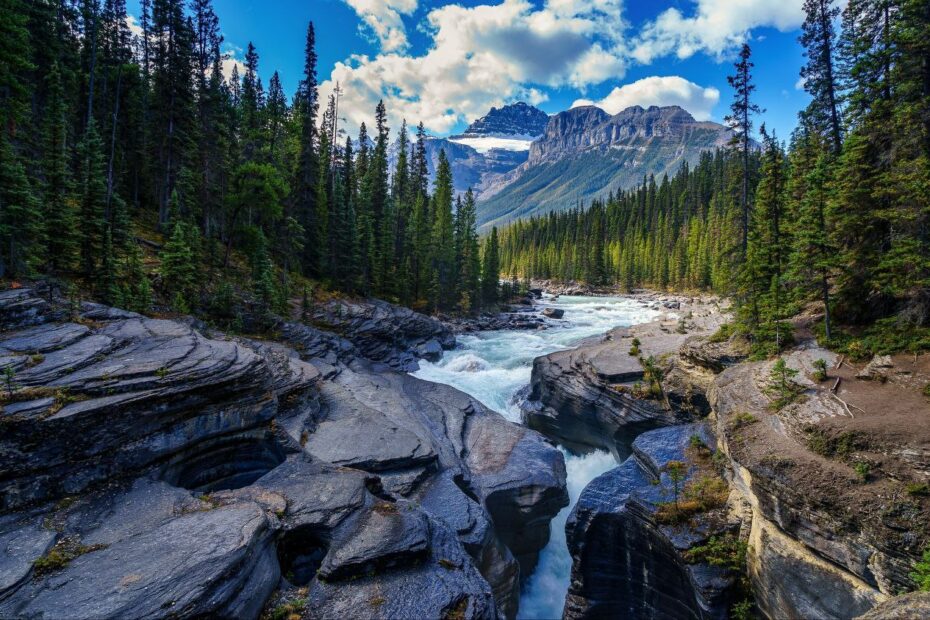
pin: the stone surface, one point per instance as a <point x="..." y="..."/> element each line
<point x="160" y="471"/>
<point x="383" y="332"/>
<point x="904" y="607"/>
<point x="626" y="564"/>
<point x="590" y="397"/>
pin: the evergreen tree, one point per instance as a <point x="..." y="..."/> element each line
<point x="819" y="74"/>
<point x="490" y="270"/>
<point x="740" y="120"/>
<point x="442" y="290"/>
<point x="20" y="216"/>
<point x="93" y="191"/>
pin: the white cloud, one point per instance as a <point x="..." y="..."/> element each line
<point x="135" y="28"/>
<point x="383" y="18"/>
<point x="660" y="91"/>
<point x="483" y="56"/>
<point x="716" y="27"/>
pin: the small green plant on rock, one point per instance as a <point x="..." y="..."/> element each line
<point x="926" y="390"/>
<point x="634" y="347"/>
<point x="820" y="370"/>
<point x="862" y="470"/>
<point x="921" y="573"/>
<point x="742" y="419"/>
<point x="782" y="388"/>
<point x="9" y="381"/>
<point x="677" y="471"/>
<point x="918" y="489"/>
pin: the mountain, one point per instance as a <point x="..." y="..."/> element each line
<point x="511" y="128"/>
<point x="585" y="153"/>
<point x="492" y="146"/>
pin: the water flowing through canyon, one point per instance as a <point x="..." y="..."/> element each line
<point x="495" y="367"/>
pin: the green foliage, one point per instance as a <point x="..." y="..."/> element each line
<point x="742" y="419"/>
<point x="921" y="572"/>
<point x="820" y="370"/>
<point x="917" y="489"/>
<point x="862" y="470"/>
<point x="723" y="551"/>
<point x="841" y="445"/>
<point x="781" y="387"/>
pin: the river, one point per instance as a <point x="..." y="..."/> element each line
<point x="493" y="367"/>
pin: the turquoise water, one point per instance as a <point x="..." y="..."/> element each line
<point x="493" y="367"/>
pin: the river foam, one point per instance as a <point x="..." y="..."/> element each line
<point x="494" y="367"/>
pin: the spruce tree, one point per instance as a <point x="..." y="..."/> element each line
<point x="490" y="270"/>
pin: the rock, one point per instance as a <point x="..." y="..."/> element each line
<point x="156" y="471"/>
<point x="553" y="313"/>
<point x="822" y="544"/>
<point x="904" y="607"/>
<point x="383" y="332"/>
<point x="878" y="369"/>
<point x="625" y="562"/>
<point x="574" y="399"/>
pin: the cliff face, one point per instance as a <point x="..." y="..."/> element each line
<point x="151" y="469"/>
<point x="834" y="529"/>
<point x="586" y="153"/>
<point x="827" y="494"/>
<point x="628" y="562"/>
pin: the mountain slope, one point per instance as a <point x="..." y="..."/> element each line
<point x="585" y="153"/>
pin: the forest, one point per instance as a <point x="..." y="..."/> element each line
<point x="838" y="217"/>
<point x="132" y="170"/>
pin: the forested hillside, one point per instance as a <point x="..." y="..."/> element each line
<point x="131" y="166"/>
<point x="840" y="215"/>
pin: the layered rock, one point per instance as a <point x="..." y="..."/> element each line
<point x="833" y="530"/>
<point x="596" y="395"/>
<point x="152" y="471"/>
<point x="628" y="562"/>
<point x="386" y="333"/>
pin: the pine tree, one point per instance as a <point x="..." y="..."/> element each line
<point x="490" y="270"/>
<point x="179" y="269"/>
<point x="93" y="195"/>
<point x="442" y="293"/>
<point x="740" y="120"/>
<point x="819" y="74"/>
<point x="60" y="217"/>
<point x="20" y="216"/>
<point x="305" y="185"/>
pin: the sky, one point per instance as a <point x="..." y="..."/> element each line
<point x="446" y="63"/>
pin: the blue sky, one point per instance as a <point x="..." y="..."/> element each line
<point x="446" y="63"/>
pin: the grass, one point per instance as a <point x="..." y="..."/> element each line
<point x="61" y="555"/>
<point x="884" y="337"/>
<point x="291" y="610"/>
<point x="917" y="489"/>
<point x="841" y="445"/>
<point x="741" y="420"/>
<point x="723" y="334"/>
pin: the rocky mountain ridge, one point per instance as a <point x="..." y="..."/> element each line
<point x="585" y="153"/>
<point x="517" y="119"/>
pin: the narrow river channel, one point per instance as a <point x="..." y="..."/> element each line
<point x="493" y="367"/>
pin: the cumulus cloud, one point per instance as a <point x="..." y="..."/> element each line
<point x="715" y="27"/>
<point x="484" y="56"/>
<point x="383" y="19"/>
<point x="660" y="91"/>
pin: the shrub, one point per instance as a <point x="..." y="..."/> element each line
<point x="820" y="370"/>
<point x="782" y="388"/>
<point x="927" y="390"/>
<point x="921" y="573"/>
<point x="862" y="470"/>
<point x="725" y="551"/>
<point x="918" y="489"/>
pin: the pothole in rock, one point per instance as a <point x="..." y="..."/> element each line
<point x="232" y="464"/>
<point x="300" y="554"/>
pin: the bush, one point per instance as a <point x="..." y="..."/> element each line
<point x="820" y="370"/>
<point x="726" y="551"/>
<point x="921" y="574"/>
<point x="782" y="388"/>
<point x="862" y="470"/>
<point x="918" y="489"/>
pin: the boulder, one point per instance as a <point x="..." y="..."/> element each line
<point x="553" y="313"/>
<point x="628" y="563"/>
<point x="879" y="368"/>
<point x="383" y="332"/>
<point x="154" y="470"/>
<point x="904" y="607"/>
